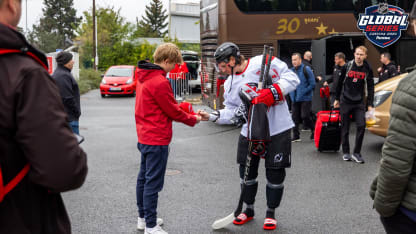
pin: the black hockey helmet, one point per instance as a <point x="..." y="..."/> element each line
<point x="225" y="50"/>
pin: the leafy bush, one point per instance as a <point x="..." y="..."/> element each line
<point x="88" y="79"/>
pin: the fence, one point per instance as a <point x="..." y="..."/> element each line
<point x="180" y="85"/>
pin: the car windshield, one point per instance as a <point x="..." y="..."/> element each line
<point x="119" y="72"/>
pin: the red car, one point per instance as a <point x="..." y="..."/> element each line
<point x="119" y="80"/>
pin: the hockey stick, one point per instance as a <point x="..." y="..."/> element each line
<point x="263" y="63"/>
<point x="221" y="223"/>
<point x="268" y="79"/>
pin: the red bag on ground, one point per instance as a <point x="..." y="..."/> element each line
<point x="328" y="131"/>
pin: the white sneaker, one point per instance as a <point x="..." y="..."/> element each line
<point x="155" y="230"/>
<point x="141" y="223"/>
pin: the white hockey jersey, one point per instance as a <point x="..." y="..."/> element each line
<point x="279" y="117"/>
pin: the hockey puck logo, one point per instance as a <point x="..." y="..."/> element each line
<point x="383" y="23"/>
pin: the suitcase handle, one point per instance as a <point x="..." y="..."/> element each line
<point x="330" y="114"/>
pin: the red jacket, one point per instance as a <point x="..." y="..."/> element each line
<point x="156" y="107"/>
<point x="179" y="71"/>
<point x="174" y="73"/>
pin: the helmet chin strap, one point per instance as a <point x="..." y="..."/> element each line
<point x="232" y="78"/>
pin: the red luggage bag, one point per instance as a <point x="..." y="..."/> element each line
<point x="328" y="131"/>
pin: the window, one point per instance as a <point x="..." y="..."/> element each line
<point x="270" y="6"/>
<point x="120" y="72"/>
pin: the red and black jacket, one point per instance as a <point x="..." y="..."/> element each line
<point x="34" y="131"/>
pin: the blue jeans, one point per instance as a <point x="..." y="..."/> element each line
<point x="150" y="180"/>
<point x="75" y="126"/>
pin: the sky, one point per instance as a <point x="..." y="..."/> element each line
<point x="130" y="9"/>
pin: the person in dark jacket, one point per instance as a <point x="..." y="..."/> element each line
<point x="302" y="97"/>
<point x="339" y="70"/>
<point x="307" y="60"/>
<point x="156" y="108"/>
<point x="34" y="134"/>
<point x="68" y="88"/>
<point x="389" y="69"/>
<point x="355" y="91"/>
<point x="394" y="188"/>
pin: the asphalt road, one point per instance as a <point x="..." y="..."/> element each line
<point x="323" y="194"/>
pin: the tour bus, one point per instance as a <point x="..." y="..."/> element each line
<point x="322" y="26"/>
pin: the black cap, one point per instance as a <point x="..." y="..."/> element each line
<point x="63" y="58"/>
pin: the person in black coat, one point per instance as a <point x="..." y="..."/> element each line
<point x="68" y="89"/>
<point x="339" y="70"/>
<point x="355" y="94"/>
<point x="389" y="69"/>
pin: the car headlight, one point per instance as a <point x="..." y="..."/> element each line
<point x="103" y="81"/>
<point x="129" y="81"/>
<point x="380" y="97"/>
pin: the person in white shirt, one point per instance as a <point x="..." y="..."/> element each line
<point x="246" y="73"/>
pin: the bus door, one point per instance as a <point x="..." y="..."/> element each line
<point x="287" y="47"/>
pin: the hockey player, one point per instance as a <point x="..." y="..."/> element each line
<point x="245" y="73"/>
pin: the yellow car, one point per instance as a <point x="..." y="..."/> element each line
<point x="383" y="93"/>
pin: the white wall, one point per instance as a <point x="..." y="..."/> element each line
<point x="184" y="22"/>
<point x="75" y="70"/>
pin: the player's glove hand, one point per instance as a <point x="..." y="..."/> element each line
<point x="269" y="95"/>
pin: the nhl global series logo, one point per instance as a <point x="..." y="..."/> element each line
<point x="382" y="24"/>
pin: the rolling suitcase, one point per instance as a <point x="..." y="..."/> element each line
<point x="328" y="131"/>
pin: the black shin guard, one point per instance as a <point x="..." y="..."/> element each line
<point x="274" y="193"/>
<point x="250" y="192"/>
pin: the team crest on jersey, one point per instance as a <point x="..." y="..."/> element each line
<point x="383" y="23"/>
<point x="355" y="76"/>
<point x="278" y="158"/>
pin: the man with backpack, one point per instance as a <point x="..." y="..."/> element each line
<point x="39" y="154"/>
<point x="302" y="97"/>
<point x="355" y="91"/>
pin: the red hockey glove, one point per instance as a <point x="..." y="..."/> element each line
<point x="187" y="107"/>
<point x="269" y="95"/>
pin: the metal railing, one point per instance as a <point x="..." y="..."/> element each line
<point x="180" y="85"/>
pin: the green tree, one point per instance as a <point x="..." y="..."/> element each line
<point x="56" y="26"/>
<point x="153" y="22"/>
<point x="114" y="46"/>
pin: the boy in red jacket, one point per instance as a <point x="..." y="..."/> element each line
<point x="156" y="108"/>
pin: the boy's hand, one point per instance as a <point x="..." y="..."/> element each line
<point x="198" y="118"/>
<point x="203" y="114"/>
